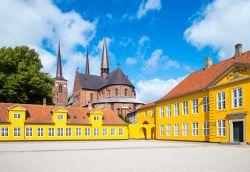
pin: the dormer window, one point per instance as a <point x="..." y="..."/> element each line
<point x="96" y="118"/>
<point x="59" y="117"/>
<point x="17" y="116"/>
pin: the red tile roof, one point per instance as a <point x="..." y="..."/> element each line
<point x="146" y="106"/>
<point x="39" y="114"/>
<point x="201" y="79"/>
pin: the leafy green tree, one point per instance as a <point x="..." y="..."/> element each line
<point x="21" y="79"/>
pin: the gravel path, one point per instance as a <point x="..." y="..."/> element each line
<point x="123" y="156"/>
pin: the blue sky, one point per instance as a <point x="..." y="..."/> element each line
<point x="156" y="42"/>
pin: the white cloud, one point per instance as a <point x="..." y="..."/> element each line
<point x="143" y="40"/>
<point x="109" y="16"/>
<point x="146" y="6"/>
<point x="221" y="25"/>
<point x="39" y="24"/>
<point x="154" y="89"/>
<point x="172" y="63"/>
<point x="152" y="63"/>
<point x="131" y="61"/>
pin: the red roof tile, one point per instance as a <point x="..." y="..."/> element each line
<point x="111" y="118"/>
<point x="201" y="79"/>
<point x="146" y="106"/>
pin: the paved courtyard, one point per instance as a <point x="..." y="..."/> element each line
<point x="124" y="156"/>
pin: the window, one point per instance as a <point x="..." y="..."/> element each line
<point x="221" y="128"/>
<point x="5" y="131"/>
<point x="51" y="132"/>
<point x="205" y="104"/>
<point x="168" y="110"/>
<point x="96" y="131"/>
<point x="121" y="132"/>
<point x="176" y="129"/>
<point x="60" y="132"/>
<point x="60" y="88"/>
<point x="28" y="131"/>
<point x="78" y="132"/>
<point x="87" y="131"/>
<point x="145" y="114"/>
<point x="206" y="128"/>
<point x="176" y="109"/>
<point x="68" y="131"/>
<point x="185" y="108"/>
<point x="112" y="132"/>
<point x="195" y="106"/>
<point x="40" y="132"/>
<point x="17" y="131"/>
<point x="185" y="129"/>
<point x="161" y="112"/>
<point x="153" y="112"/>
<point x="168" y="129"/>
<point x="161" y="130"/>
<point x="116" y="92"/>
<point x="59" y="117"/>
<point x="237" y="97"/>
<point x="126" y="92"/>
<point x="17" y="116"/>
<point x="96" y="118"/>
<point x="91" y="97"/>
<point x="104" y="131"/>
<point x="221" y="100"/>
<point x="195" y="128"/>
<point x="108" y="93"/>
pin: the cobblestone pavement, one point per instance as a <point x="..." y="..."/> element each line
<point x="123" y="156"/>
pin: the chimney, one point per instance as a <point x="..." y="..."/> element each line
<point x="238" y="50"/>
<point x="208" y="62"/>
<point x="44" y="101"/>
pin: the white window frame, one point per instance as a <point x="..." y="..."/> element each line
<point x="206" y="128"/>
<point x="237" y="98"/>
<point x="96" y="118"/>
<point x="40" y="131"/>
<point x="105" y="131"/>
<point x="162" y="112"/>
<point x="168" y="111"/>
<point x="17" y="115"/>
<point x="121" y="132"/>
<point x="87" y="132"/>
<point x="161" y="130"/>
<point x="195" y="128"/>
<point x="176" y="109"/>
<point x="221" y="100"/>
<point x="28" y="132"/>
<point x="176" y="129"/>
<point x="195" y="105"/>
<point x="185" y="107"/>
<point x="205" y="104"/>
<point x="51" y="132"/>
<point x="152" y="112"/>
<point x="184" y="129"/>
<point x="145" y="114"/>
<point x="169" y="130"/>
<point x="221" y="128"/>
<point x="112" y="132"/>
<point x="96" y="131"/>
<point x="59" y="117"/>
<point x="60" y="132"/>
<point x="78" y="131"/>
<point x="5" y="131"/>
<point x="68" y="132"/>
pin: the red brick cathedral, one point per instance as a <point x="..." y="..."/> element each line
<point x="108" y="91"/>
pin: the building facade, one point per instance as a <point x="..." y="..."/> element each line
<point x="211" y="104"/>
<point x="24" y="122"/>
<point x="108" y="91"/>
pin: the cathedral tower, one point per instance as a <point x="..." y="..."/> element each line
<point x="60" y="94"/>
<point x="105" y="60"/>
<point x="87" y="71"/>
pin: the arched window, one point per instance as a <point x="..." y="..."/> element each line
<point x="126" y="92"/>
<point x="116" y="92"/>
<point x="108" y="93"/>
<point x="60" y="88"/>
<point x="91" y="97"/>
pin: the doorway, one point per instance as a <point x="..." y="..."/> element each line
<point x="238" y="131"/>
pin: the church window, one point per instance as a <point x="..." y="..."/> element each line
<point x="60" y="88"/>
<point x="126" y="92"/>
<point x="116" y="92"/>
<point x="108" y="93"/>
<point x="91" y="97"/>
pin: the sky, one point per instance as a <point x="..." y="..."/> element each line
<point x="157" y="43"/>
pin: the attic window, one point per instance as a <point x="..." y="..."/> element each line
<point x="96" y="118"/>
<point x="17" y="116"/>
<point x="59" y="117"/>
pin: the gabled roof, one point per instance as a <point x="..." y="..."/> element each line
<point x="94" y="82"/>
<point x="121" y="99"/>
<point x="201" y="79"/>
<point x="147" y="106"/>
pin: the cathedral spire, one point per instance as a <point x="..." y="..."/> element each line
<point x="105" y="61"/>
<point x="59" y="64"/>
<point x="87" y="71"/>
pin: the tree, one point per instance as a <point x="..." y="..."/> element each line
<point x="21" y="79"/>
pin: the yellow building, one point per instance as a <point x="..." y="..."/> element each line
<point x="144" y="124"/>
<point x="42" y="122"/>
<point x="211" y="104"/>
